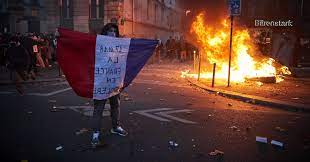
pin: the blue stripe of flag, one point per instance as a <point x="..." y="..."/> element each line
<point x="140" y="50"/>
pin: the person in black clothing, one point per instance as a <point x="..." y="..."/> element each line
<point x="28" y="43"/>
<point x="111" y="30"/>
<point x="18" y="62"/>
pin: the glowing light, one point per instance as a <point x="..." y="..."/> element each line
<point x="247" y="62"/>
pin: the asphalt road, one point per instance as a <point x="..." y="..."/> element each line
<point x="161" y="109"/>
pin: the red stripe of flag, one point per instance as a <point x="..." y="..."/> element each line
<point x="76" y="57"/>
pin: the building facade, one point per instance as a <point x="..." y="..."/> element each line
<point x="22" y="16"/>
<point x="136" y="18"/>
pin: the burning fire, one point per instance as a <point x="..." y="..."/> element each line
<point x="246" y="61"/>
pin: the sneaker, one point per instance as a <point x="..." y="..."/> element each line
<point x="95" y="139"/>
<point x="120" y="131"/>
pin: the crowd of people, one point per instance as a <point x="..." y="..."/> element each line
<point x="174" y="49"/>
<point x="23" y="54"/>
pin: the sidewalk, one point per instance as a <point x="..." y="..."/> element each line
<point x="44" y="75"/>
<point x="291" y="94"/>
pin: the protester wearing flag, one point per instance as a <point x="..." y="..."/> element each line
<point x="101" y="66"/>
<point x="112" y="31"/>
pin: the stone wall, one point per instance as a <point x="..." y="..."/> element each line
<point x="81" y="15"/>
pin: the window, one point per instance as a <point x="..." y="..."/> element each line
<point x="162" y="13"/>
<point x="148" y="10"/>
<point x="96" y="9"/>
<point x="155" y="12"/>
<point x="67" y="8"/>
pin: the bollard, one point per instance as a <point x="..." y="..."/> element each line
<point x="199" y="64"/>
<point x="194" y="61"/>
<point x="213" y="76"/>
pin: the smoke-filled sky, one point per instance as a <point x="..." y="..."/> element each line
<point x="215" y="9"/>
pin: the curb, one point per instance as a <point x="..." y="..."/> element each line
<point x="289" y="106"/>
<point x="9" y="82"/>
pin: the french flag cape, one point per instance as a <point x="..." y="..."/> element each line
<point x="98" y="66"/>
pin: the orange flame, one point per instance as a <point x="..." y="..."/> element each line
<point x="214" y="48"/>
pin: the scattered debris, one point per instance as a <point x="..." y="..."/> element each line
<point x="83" y="130"/>
<point x="259" y="84"/>
<point x="271" y="79"/>
<point x="216" y="152"/>
<point x="173" y="144"/>
<point x="234" y="128"/>
<point x="52" y="101"/>
<point x="59" y="148"/>
<point x="261" y="139"/>
<point x="229" y="104"/>
<point x="174" y="92"/>
<point x="276" y="143"/>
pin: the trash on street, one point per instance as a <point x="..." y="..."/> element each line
<point x="59" y="148"/>
<point x="216" y="152"/>
<point x="83" y="130"/>
<point x="51" y="101"/>
<point x="277" y="143"/>
<point x="173" y="144"/>
<point x="261" y="139"/>
<point x="234" y="127"/>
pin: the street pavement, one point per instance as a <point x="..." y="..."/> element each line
<point x="168" y="121"/>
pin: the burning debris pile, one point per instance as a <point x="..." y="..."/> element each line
<point x="247" y="62"/>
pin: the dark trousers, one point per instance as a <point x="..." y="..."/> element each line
<point x="98" y="110"/>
